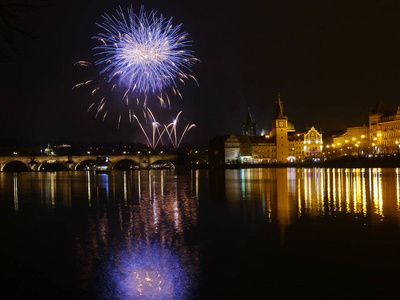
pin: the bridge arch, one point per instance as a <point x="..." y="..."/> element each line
<point x="199" y="161"/>
<point x="70" y="162"/>
<point x="15" y="166"/>
<point x="126" y="164"/>
<point x="52" y="165"/>
<point x="83" y="165"/>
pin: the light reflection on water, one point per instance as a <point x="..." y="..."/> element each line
<point x="289" y="194"/>
<point x="131" y="244"/>
<point x="139" y="238"/>
<point x="134" y="234"/>
<point x="285" y="194"/>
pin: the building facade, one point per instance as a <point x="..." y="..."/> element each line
<point x="282" y="145"/>
<point x="313" y="145"/>
<point x="280" y="132"/>
<point x="384" y="129"/>
<point x="380" y="136"/>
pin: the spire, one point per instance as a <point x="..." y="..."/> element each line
<point x="249" y="117"/>
<point x="279" y="107"/>
<point x="249" y="128"/>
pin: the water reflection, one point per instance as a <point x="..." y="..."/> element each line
<point x="139" y="239"/>
<point x="133" y="234"/>
<point x="133" y="227"/>
<point x="148" y="272"/>
<point x="284" y="195"/>
<point x="15" y="183"/>
<point x="287" y="195"/>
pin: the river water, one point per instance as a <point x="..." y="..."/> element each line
<point x="201" y="234"/>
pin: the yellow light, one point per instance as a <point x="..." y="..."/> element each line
<point x="379" y="134"/>
<point x="363" y="136"/>
<point x="338" y="144"/>
<point x="353" y="139"/>
<point x="346" y="141"/>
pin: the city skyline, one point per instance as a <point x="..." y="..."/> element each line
<point x="330" y="62"/>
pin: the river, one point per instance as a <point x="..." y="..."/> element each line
<point x="201" y="234"/>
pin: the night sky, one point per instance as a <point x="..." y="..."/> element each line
<point x="330" y="60"/>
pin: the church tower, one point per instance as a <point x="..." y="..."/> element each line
<point x="249" y="128"/>
<point x="280" y="131"/>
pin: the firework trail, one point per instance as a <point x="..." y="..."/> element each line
<point x="172" y="133"/>
<point x="170" y="130"/>
<point x="155" y="129"/>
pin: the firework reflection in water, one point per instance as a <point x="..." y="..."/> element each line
<point x="144" y="246"/>
<point x="146" y="272"/>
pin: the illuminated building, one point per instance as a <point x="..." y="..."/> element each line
<point x="351" y="142"/>
<point x="312" y="144"/>
<point x="384" y="129"/>
<point x="232" y="149"/>
<point x="282" y="145"/>
<point x="381" y="135"/>
<point x="280" y="132"/>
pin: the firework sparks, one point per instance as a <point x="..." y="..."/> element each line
<point x="82" y="63"/>
<point x="142" y="58"/>
<point x="144" y="53"/>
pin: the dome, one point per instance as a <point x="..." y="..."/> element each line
<point x="290" y="126"/>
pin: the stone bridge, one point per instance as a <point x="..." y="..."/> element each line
<point x="71" y="162"/>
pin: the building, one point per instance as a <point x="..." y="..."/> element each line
<point x="384" y="129"/>
<point x="352" y="141"/>
<point x="232" y="149"/>
<point x="250" y="127"/>
<point x="282" y="145"/>
<point x="313" y="145"/>
<point x="380" y="136"/>
<point x="280" y="132"/>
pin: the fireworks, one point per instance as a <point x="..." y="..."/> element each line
<point x="140" y="57"/>
<point x="158" y="134"/>
<point x="146" y="54"/>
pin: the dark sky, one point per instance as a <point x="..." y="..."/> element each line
<point x="330" y="60"/>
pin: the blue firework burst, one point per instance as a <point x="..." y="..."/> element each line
<point x="145" y="53"/>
